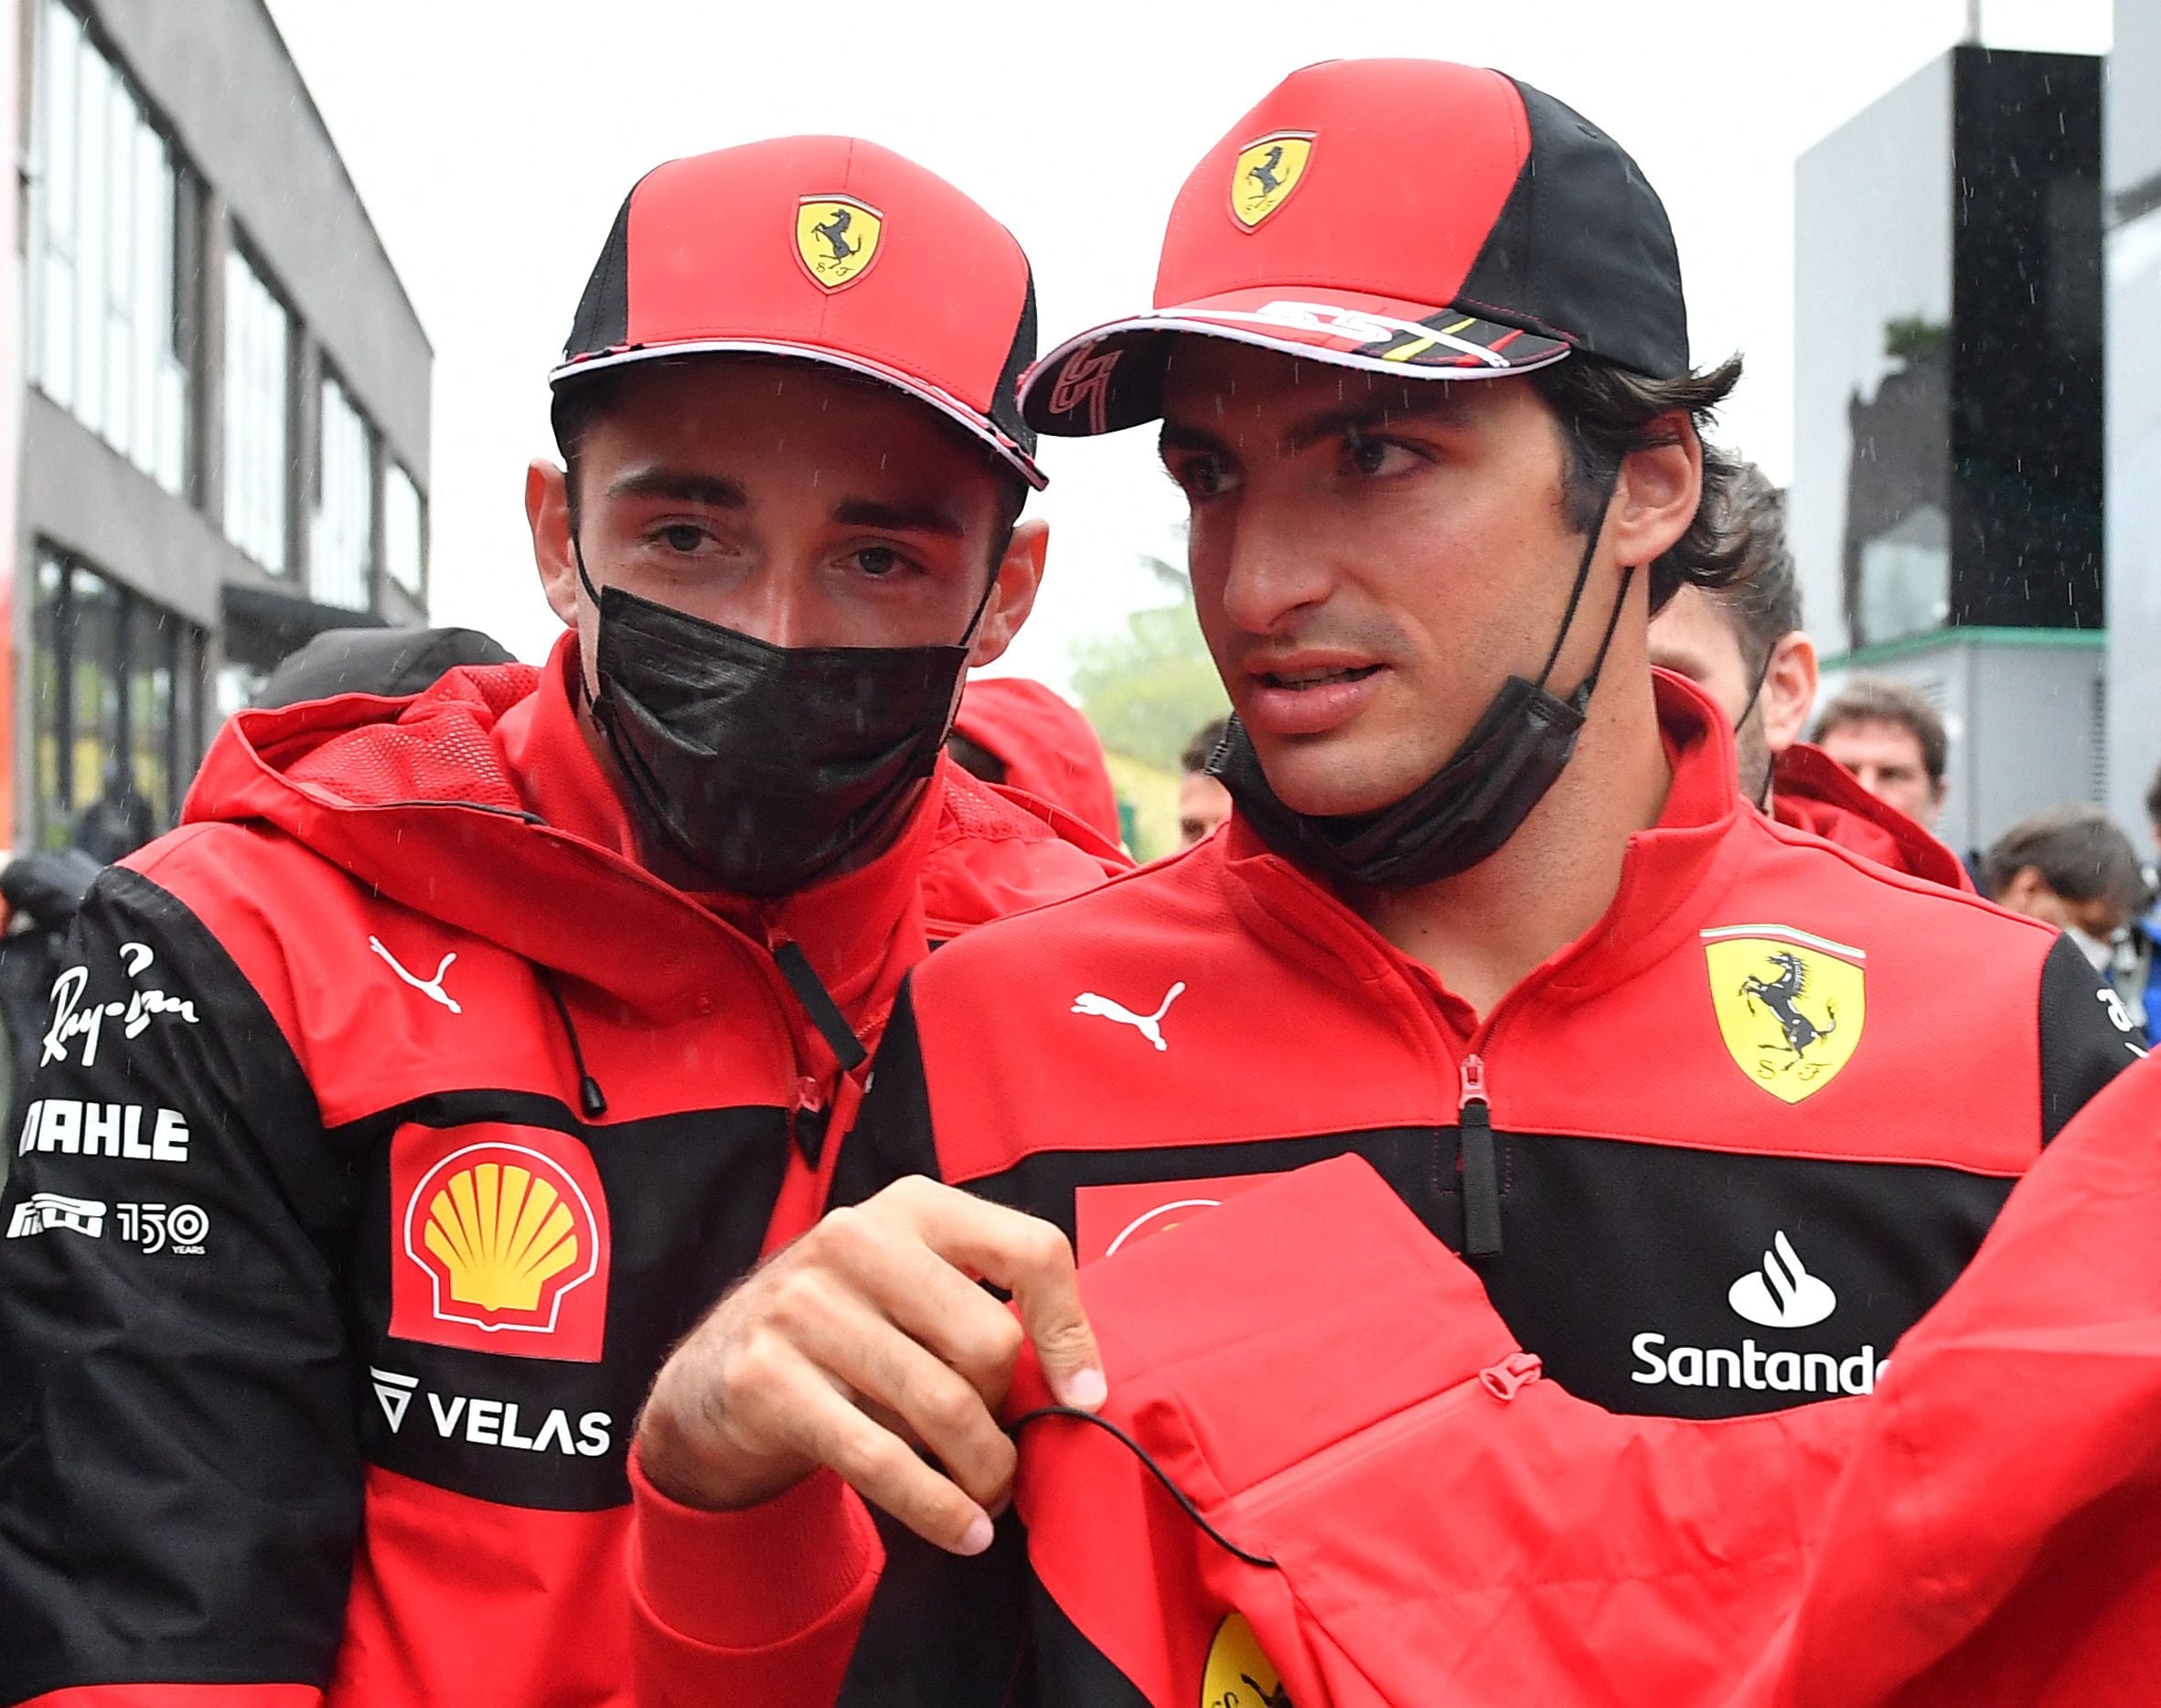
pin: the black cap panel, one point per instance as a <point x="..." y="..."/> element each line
<point x="1583" y="250"/>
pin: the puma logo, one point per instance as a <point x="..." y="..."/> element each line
<point x="431" y="989"/>
<point x="1150" y="1026"/>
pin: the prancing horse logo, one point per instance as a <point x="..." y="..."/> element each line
<point x="837" y="238"/>
<point x="1781" y="994"/>
<point x="1791" y="1006"/>
<point x="1150" y="1026"/>
<point x="1268" y="170"/>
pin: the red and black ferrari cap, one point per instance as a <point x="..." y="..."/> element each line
<point x="827" y="249"/>
<point x="1405" y="215"/>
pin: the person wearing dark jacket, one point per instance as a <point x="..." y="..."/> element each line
<point x="396" y="1113"/>
<point x="1714" y="1109"/>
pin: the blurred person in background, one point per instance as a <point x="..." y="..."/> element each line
<point x="1743" y="646"/>
<point x="2074" y="868"/>
<point x="1893" y="740"/>
<point x="396" y="1113"/>
<point x="1202" y="801"/>
<point x="1024" y="735"/>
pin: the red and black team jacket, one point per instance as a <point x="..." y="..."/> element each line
<point x="1709" y="1160"/>
<point x="392" y="1122"/>
<point x="1386" y="1509"/>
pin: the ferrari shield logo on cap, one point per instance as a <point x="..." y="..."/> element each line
<point x="1790" y="1006"/>
<point x="837" y="238"/>
<point x="1266" y="174"/>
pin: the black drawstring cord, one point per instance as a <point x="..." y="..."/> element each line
<point x="818" y="1004"/>
<point x="590" y="1098"/>
<point x="1184" y="1500"/>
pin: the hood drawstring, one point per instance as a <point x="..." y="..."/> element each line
<point x="590" y="1098"/>
<point x="807" y="1122"/>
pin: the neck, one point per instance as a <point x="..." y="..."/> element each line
<point x="1484" y="929"/>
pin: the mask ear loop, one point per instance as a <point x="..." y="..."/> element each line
<point x="1591" y="550"/>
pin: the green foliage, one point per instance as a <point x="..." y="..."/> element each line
<point x="1911" y="337"/>
<point x="1148" y="688"/>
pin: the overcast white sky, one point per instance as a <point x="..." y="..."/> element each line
<point x="493" y="141"/>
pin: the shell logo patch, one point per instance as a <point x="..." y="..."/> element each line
<point x="1238" y="1675"/>
<point x="1791" y="1006"/>
<point x="1266" y="172"/>
<point x="837" y="238"/>
<point x="498" y="1235"/>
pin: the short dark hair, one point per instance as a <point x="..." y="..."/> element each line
<point x="1883" y="700"/>
<point x="2078" y="852"/>
<point x="1763" y="602"/>
<point x="1606" y="412"/>
<point x="585" y="398"/>
<point x="2153" y="800"/>
<point x="1202" y="748"/>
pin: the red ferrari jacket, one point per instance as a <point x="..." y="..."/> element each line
<point x="1322" y="1504"/>
<point x="1709" y="1160"/>
<point x="392" y="1123"/>
<point x="1812" y="791"/>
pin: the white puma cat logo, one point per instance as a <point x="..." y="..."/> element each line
<point x="431" y="989"/>
<point x="1150" y="1026"/>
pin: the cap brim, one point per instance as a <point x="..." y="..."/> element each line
<point x="1111" y="378"/>
<point x="947" y="405"/>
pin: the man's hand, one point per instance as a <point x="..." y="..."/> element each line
<point x="868" y="1339"/>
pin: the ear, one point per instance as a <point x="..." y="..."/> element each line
<point x="1655" y="498"/>
<point x="1789" y="690"/>
<point x="2024" y="891"/>
<point x="1020" y="574"/>
<point x="548" y="514"/>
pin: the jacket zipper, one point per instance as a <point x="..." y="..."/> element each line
<point x="1482" y="1174"/>
<point x="1501" y="1381"/>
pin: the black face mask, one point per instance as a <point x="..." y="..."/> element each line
<point x="1464" y="811"/>
<point x="764" y="766"/>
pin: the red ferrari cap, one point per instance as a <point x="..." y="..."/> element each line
<point x="1405" y="215"/>
<point x="825" y="248"/>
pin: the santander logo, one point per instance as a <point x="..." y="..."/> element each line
<point x="1781" y="1293"/>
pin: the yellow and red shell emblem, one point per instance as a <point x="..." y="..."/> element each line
<point x="504" y="1233"/>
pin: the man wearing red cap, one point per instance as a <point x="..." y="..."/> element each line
<point x="1714" y="1110"/>
<point x="397" y="1113"/>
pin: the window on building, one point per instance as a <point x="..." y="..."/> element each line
<point x="341" y="541"/>
<point x="118" y="682"/>
<point x="105" y="275"/>
<point x="404" y="532"/>
<point x="258" y="390"/>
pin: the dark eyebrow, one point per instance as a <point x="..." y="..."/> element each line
<point x="897" y="518"/>
<point x="1332" y="424"/>
<point x="654" y="482"/>
<point x="1409" y="404"/>
<point x="1174" y="437"/>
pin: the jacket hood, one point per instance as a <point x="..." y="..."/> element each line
<point x="1048" y="749"/>
<point x="480" y="803"/>
<point x="1812" y="791"/>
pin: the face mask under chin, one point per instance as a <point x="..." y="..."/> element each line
<point x="766" y="768"/>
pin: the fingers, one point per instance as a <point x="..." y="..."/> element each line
<point x="1030" y="1259"/>
<point x="828" y="1429"/>
<point x="884" y="1367"/>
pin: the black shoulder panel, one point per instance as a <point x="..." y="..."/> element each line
<point x="2087" y="1037"/>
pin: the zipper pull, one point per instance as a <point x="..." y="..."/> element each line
<point x="1511" y="1375"/>
<point x="806" y="1121"/>
<point x="1482" y="1174"/>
